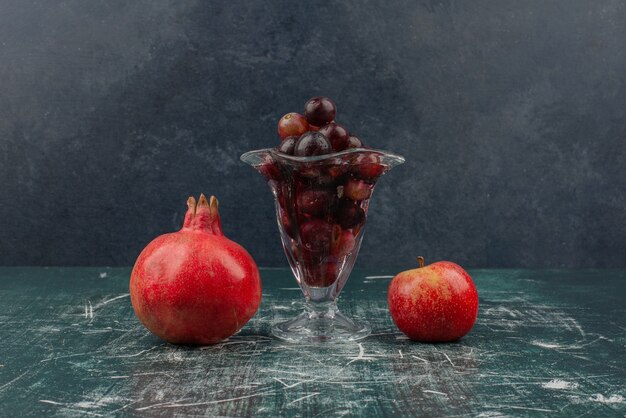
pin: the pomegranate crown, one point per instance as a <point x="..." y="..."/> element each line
<point x="203" y="216"/>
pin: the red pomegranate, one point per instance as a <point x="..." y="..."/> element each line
<point x="195" y="286"/>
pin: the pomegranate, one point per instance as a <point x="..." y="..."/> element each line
<point x="195" y="286"/>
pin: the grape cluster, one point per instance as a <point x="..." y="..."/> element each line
<point x="315" y="132"/>
<point x="322" y="204"/>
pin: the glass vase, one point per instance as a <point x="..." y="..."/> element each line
<point x="321" y="208"/>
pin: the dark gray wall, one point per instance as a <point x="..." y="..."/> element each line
<point x="511" y="114"/>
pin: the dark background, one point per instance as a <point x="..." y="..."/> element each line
<point x="511" y="115"/>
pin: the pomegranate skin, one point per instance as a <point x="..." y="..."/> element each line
<point x="195" y="287"/>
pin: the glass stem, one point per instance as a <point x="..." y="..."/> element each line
<point x="326" y="309"/>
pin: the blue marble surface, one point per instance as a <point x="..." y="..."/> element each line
<point x="512" y="117"/>
<point x="546" y="343"/>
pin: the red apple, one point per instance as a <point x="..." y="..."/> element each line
<point x="435" y="303"/>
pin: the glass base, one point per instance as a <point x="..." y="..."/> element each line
<point x="322" y="323"/>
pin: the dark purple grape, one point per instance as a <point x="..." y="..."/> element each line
<point x="315" y="202"/>
<point x="337" y="135"/>
<point x="312" y="143"/>
<point x="349" y="214"/>
<point x="354" y="142"/>
<point x="336" y="170"/>
<point x="316" y="235"/>
<point x="367" y="167"/>
<point x="270" y="171"/>
<point x="288" y="145"/>
<point x="308" y="172"/>
<point x="319" y="111"/>
<point x="321" y="275"/>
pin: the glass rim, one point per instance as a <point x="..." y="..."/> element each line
<point x="390" y="158"/>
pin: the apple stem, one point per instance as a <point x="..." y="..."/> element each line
<point x="420" y="260"/>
